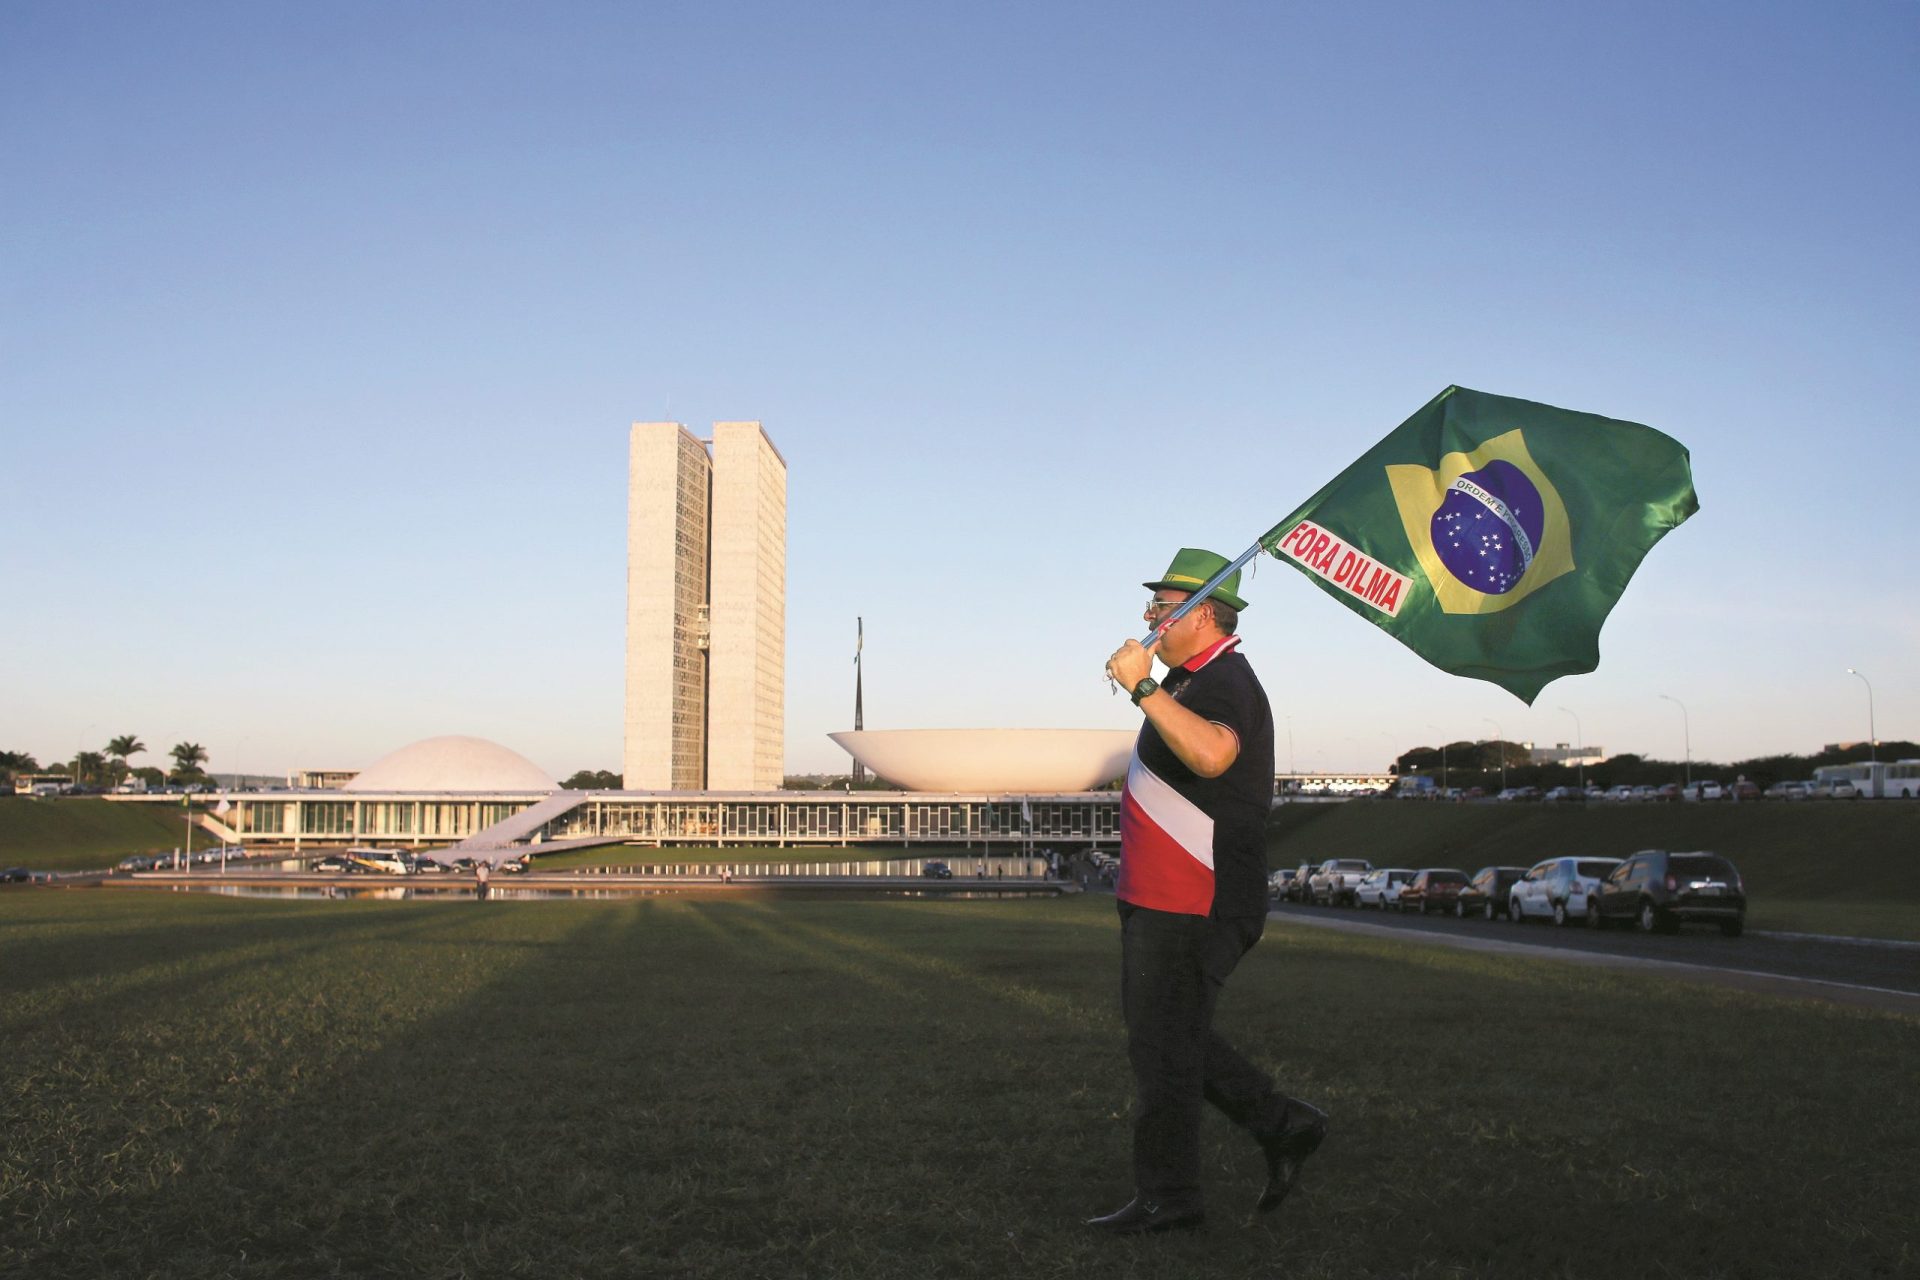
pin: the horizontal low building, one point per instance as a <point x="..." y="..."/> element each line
<point x="778" y="819"/>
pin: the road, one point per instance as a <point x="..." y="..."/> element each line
<point x="1876" y="975"/>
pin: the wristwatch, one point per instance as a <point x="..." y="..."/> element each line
<point x="1144" y="689"/>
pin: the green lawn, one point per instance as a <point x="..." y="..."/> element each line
<point x="77" y="833"/>
<point x="678" y="1087"/>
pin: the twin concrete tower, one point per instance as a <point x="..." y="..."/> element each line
<point x="706" y="609"/>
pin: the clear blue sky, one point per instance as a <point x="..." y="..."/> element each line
<point x="321" y="327"/>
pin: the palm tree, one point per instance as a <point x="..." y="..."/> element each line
<point x="12" y="762"/>
<point x="188" y="757"/>
<point x="88" y="764"/>
<point x="127" y="744"/>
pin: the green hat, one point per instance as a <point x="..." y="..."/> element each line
<point x="1191" y="569"/>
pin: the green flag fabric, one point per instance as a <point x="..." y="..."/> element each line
<point x="1492" y="536"/>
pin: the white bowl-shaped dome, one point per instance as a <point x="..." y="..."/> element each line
<point x="453" y="764"/>
<point x="1021" y="760"/>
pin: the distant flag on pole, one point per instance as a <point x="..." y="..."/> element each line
<point x="1492" y="536"/>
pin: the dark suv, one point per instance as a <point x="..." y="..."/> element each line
<point x="1660" y="891"/>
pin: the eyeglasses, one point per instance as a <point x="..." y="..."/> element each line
<point x="1157" y="607"/>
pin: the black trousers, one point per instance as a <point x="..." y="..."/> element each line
<point x="1173" y="968"/>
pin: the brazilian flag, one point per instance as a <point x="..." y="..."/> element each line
<point x="1492" y="536"/>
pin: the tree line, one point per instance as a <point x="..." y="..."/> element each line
<point x="1470" y="764"/>
<point x="112" y="764"/>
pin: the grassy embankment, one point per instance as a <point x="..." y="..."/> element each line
<point x="1836" y="867"/>
<point x="84" y="833"/>
<point x="718" y="1088"/>
<point x="1839" y="867"/>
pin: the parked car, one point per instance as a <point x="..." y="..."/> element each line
<point x="1297" y="887"/>
<point x="1278" y="882"/>
<point x="1620" y="793"/>
<point x="1486" y="894"/>
<point x="1659" y="891"/>
<point x="1557" y="888"/>
<point x="1333" y="884"/>
<point x="1743" y="791"/>
<point x="1432" y="889"/>
<point x="1786" y="789"/>
<point x="936" y="870"/>
<point x="1565" y="795"/>
<point x="1380" y="888"/>
<point x="15" y="875"/>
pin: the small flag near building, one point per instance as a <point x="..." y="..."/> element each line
<point x="1491" y="535"/>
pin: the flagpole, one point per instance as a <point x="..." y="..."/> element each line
<point x="1193" y="601"/>
<point x="859" y="717"/>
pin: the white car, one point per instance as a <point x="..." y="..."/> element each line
<point x="1380" y="889"/>
<point x="1620" y="793"/>
<point x="1557" y="889"/>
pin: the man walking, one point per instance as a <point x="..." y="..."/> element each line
<point x="1193" y="899"/>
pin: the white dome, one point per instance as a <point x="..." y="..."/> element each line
<point x="994" y="760"/>
<point x="453" y="764"/>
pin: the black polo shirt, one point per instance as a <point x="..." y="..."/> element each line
<point x="1194" y="845"/>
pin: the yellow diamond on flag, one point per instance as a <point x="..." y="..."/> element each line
<point x="1487" y="527"/>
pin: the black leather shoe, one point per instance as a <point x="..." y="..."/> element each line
<point x="1147" y="1217"/>
<point x="1286" y="1150"/>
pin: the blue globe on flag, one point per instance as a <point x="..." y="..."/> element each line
<point x="1487" y="530"/>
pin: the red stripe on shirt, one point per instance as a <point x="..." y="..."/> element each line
<point x="1157" y="870"/>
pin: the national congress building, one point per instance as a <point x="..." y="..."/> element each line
<point x="706" y="609"/>
<point x="703" y="757"/>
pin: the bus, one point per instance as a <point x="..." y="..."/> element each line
<point x="1899" y="779"/>
<point x="42" y="784"/>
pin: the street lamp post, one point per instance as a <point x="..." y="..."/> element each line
<point x="1500" y="741"/>
<point x="1443" y="754"/>
<point x="1873" y="738"/>
<point x="1686" y="730"/>
<point x="1579" y="746"/>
